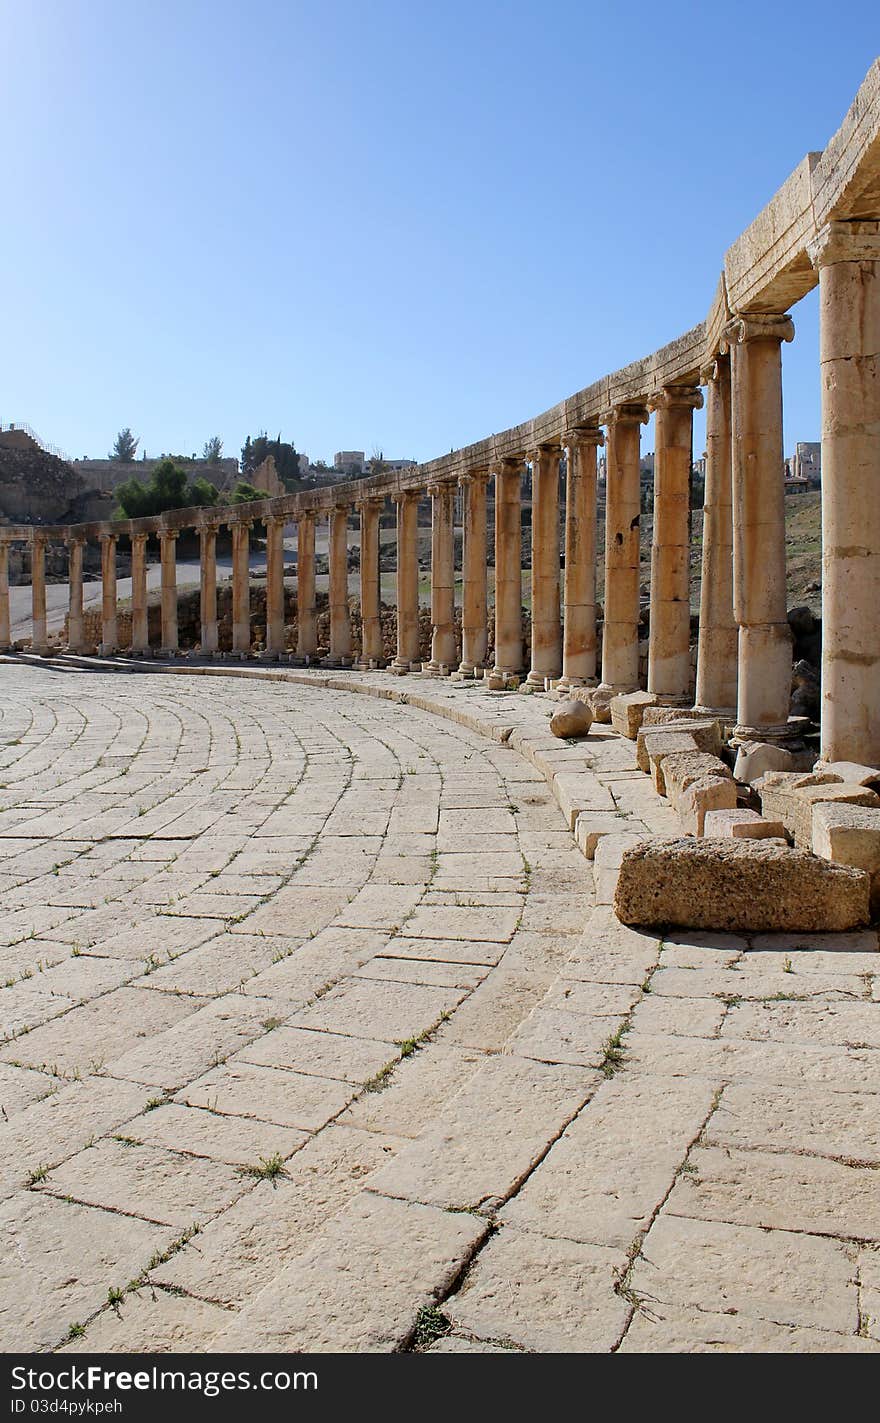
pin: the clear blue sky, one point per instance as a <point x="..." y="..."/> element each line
<point x="396" y="225"/>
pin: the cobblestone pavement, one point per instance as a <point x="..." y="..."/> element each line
<point x="316" y="1036"/>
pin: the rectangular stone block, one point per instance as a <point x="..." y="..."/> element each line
<point x="793" y="803"/>
<point x="854" y="774"/>
<point x="706" y="736"/>
<point x="591" y="825"/>
<point x="742" y="824"/>
<point x="627" y="712"/>
<point x="682" y="768"/>
<point x="700" y="796"/>
<point x="750" y="886"/>
<point x="850" y="835"/>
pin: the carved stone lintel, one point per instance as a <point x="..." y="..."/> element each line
<point x="756" y="326"/>
<point x="845" y="242"/>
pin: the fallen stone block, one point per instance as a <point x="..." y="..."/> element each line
<point x="755" y="758"/>
<point x="793" y="804"/>
<point x="592" y="826"/>
<point x="665" y="716"/>
<point x="742" y="824"/>
<point x="850" y="835"/>
<point x="657" y="744"/>
<point x="742" y="886"/>
<point x="599" y="700"/>
<point x="682" y="768"/>
<point x="627" y="712"/>
<point x="577" y="793"/>
<point x="572" y="717"/>
<point x="705" y="734"/>
<point x="702" y="795"/>
<point x="853" y="773"/>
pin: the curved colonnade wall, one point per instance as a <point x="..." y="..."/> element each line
<point x="821" y="228"/>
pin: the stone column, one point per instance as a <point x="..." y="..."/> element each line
<point x="371" y="590"/>
<point x="241" y="586"/>
<point x="340" y="618"/>
<point x="620" y="631"/>
<point x="546" y="632"/>
<point x="759" y="596"/>
<point x="508" y="568"/>
<point x="274" y="588"/>
<point x="5" y="620"/>
<point x="669" y="658"/>
<point x="208" y="635"/>
<point x="474" y="610"/>
<point x="39" y="641"/>
<point x="75" y="621"/>
<point x="167" y="540"/>
<point x="109" y="632"/>
<point x="847" y="255"/>
<point x="140" y="627"/>
<point x="716" y="647"/>
<point x="407" y="502"/>
<point x="442" y="578"/>
<point x="306" y="629"/>
<point x="579" y="622"/>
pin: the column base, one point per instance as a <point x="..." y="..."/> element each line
<point x="567" y="684"/>
<point x="107" y="649"/>
<point x="781" y="733"/>
<point x="726" y="715"/>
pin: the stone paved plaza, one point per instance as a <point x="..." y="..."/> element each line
<point x="318" y="1035"/>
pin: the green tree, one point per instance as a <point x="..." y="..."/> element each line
<point x="256" y="450"/>
<point x="167" y="489"/>
<point x="125" y="446"/>
<point x="213" y="450"/>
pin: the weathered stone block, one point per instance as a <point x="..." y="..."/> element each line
<point x="749" y="886"/>
<point x="755" y="758"/>
<point x="627" y="712"/>
<point x="742" y="824"/>
<point x="666" y="716"/>
<point x="572" y="717"/>
<point x="850" y="835"/>
<point x="682" y="768"/>
<point x="653" y="748"/>
<point x="706" y="736"/>
<point x="599" y="700"/>
<point x="854" y="774"/>
<point x="706" y="793"/>
<point x="793" y="804"/>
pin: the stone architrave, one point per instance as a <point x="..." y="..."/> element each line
<point x="75" y="620"/>
<point x="140" y="629"/>
<point x="546" y="651"/>
<point x="764" y="643"/>
<point x="407" y="502"/>
<point x="847" y="255"/>
<point x="109" y="630"/>
<point x="620" y="628"/>
<point x="474" y="632"/>
<point x="167" y="541"/>
<point x="208" y="586"/>
<point x="507" y="474"/>
<point x="306" y="621"/>
<point x="669" y="663"/>
<point x="442" y="578"/>
<point x="579" y="598"/>
<point x="717" y="641"/>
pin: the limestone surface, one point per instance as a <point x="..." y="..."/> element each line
<point x="572" y="717"/>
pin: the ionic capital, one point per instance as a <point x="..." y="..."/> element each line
<point x="714" y="369"/>
<point x="473" y="477"/>
<point x="629" y="412"/>
<point x="70" y="540"/>
<point x="845" y="242"/>
<point x="756" y="326"/>
<point x="583" y="437"/>
<point x="107" y="537"/>
<point x="404" y="496"/>
<point x="440" y="487"/>
<point x="166" y="534"/>
<point x="676" y="397"/>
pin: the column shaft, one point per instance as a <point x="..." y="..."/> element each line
<point x="579" y="621"/>
<point x="39" y="641"/>
<point x="306" y="629"/>
<point x="75" y="621"/>
<point x="5" y="620"/>
<point x="508" y="568"/>
<point x="474" y="610"/>
<point x="620" y="631"/>
<point x="546" y="634"/>
<point x="340" y="618"/>
<point x="848" y="257"/>
<point x="442" y="577"/>
<point x="717" y="644"/>
<point x="140" y="627"/>
<point x="274" y="587"/>
<point x="371" y="595"/>
<point x="208" y="636"/>
<point x="669" y="660"/>
<point x="241" y="586"/>
<point x="407" y="580"/>
<point x="167" y="540"/>
<point x="109" y="633"/>
<point x="759" y="527"/>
